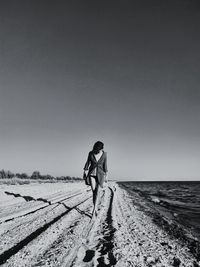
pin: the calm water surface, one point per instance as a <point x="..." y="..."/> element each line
<point x="181" y="199"/>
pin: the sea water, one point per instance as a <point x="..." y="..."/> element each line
<point x="181" y="199"/>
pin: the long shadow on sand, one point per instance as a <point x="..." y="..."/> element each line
<point x="27" y="198"/>
<point x="13" y="250"/>
<point x="77" y="209"/>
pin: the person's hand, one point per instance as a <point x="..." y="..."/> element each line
<point x="84" y="173"/>
<point x="106" y="177"/>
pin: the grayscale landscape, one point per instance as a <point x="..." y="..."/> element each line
<point x="121" y="74"/>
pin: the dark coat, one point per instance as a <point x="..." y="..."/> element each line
<point x="101" y="165"/>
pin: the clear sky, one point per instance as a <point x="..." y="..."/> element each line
<point x="122" y="72"/>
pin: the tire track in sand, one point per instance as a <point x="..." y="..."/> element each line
<point x="97" y="246"/>
<point x="106" y="244"/>
<point x="16" y="248"/>
<point x="32" y="210"/>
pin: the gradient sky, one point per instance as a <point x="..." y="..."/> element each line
<point x="123" y="72"/>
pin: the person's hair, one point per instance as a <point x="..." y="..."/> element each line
<point x="98" y="146"/>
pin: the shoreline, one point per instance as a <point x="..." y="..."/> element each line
<point x="165" y="221"/>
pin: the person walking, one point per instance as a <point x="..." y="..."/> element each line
<point x="96" y="168"/>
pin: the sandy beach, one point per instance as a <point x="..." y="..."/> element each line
<point x="50" y="225"/>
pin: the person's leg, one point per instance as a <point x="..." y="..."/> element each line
<point x="96" y="196"/>
<point x="95" y="189"/>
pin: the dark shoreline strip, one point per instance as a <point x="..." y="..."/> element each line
<point x="174" y="230"/>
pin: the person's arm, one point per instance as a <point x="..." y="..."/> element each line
<point x="87" y="164"/>
<point x="105" y="167"/>
<point x="105" y="163"/>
